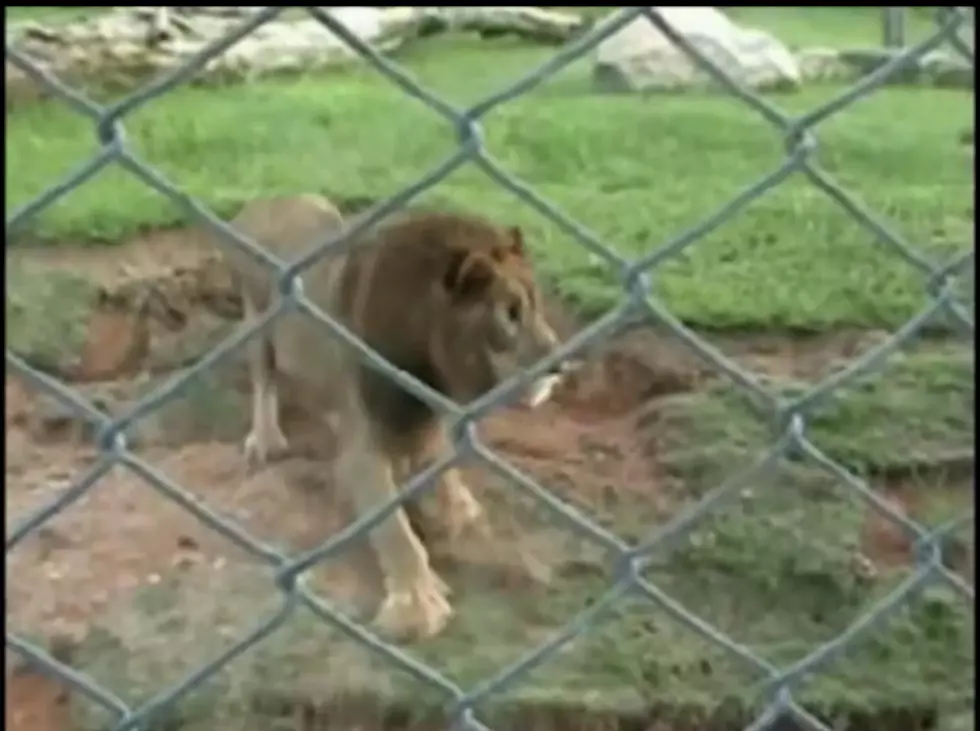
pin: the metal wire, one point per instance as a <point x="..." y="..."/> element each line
<point x="801" y="142"/>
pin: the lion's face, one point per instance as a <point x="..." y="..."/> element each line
<point x="498" y="325"/>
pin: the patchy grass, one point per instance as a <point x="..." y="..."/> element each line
<point x="918" y="410"/>
<point x="637" y="663"/>
<point x="775" y="572"/>
<point x="46" y="315"/>
<point x="634" y="171"/>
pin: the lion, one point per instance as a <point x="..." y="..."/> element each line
<point x="450" y="298"/>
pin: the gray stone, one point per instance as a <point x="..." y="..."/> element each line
<point x="948" y="70"/>
<point x="824" y="64"/>
<point x="936" y="68"/>
<point x="641" y="58"/>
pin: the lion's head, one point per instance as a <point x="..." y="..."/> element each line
<point x="493" y="324"/>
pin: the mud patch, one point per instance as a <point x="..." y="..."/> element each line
<point x="34" y="703"/>
<point x="936" y="497"/>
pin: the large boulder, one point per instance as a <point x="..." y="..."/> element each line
<point x="641" y="58"/>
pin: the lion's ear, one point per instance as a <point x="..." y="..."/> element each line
<point x="517" y="240"/>
<point x="513" y="244"/>
<point x="469" y="274"/>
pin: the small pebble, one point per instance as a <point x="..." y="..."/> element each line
<point x="187" y="543"/>
<point x="864" y="567"/>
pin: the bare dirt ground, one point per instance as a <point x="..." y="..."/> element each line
<point x="123" y="534"/>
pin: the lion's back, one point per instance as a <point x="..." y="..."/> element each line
<point x="287" y="227"/>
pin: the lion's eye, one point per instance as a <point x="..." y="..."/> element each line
<point x="514" y="312"/>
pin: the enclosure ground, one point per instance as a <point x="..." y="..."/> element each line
<point x="130" y="589"/>
<point x="141" y="593"/>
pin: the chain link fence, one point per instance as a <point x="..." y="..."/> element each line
<point x="790" y="416"/>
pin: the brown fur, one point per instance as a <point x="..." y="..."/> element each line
<point x="451" y="299"/>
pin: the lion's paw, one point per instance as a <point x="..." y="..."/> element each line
<point x="466" y="517"/>
<point x="260" y="448"/>
<point x="415" y="613"/>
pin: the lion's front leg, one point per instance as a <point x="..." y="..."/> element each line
<point x="462" y="514"/>
<point x="415" y="604"/>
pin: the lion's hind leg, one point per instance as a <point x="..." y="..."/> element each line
<point x="265" y="440"/>
<point x="415" y="604"/>
<point x="460" y="518"/>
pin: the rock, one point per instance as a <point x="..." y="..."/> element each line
<point x="640" y="58"/>
<point x="824" y="64"/>
<point x="947" y="70"/>
<point x="124" y="47"/>
<point x="936" y="68"/>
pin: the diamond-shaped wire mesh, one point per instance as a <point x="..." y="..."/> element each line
<point x="798" y="133"/>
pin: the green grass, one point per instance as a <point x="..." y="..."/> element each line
<point x="636" y="171"/>
<point x="857" y="27"/>
<point x="918" y="410"/>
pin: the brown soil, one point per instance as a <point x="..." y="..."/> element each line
<point x="34" y="702"/>
<point x="124" y="534"/>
